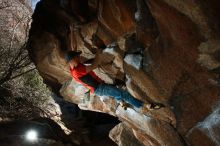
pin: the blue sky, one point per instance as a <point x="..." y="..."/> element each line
<point x="34" y="2"/>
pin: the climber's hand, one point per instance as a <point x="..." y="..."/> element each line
<point x="96" y="62"/>
<point x="98" y="42"/>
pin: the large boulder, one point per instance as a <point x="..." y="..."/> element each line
<point x="168" y="50"/>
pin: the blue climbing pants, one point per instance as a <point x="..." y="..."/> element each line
<point x="118" y="94"/>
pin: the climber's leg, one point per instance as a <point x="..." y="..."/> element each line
<point x="118" y="94"/>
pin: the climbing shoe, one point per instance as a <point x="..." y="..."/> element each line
<point x="154" y="106"/>
<point x="124" y="105"/>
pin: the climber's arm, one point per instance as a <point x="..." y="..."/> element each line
<point x="71" y="42"/>
<point x="95" y="62"/>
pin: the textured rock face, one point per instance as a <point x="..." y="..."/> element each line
<point x="120" y="134"/>
<point x="168" y="51"/>
<point x="16" y="16"/>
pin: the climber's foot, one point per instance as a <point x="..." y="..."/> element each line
<point x="124" y="105"/>
<point x="154" y="106"/>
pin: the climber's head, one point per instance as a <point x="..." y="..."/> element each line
<point x="72" y="57"/>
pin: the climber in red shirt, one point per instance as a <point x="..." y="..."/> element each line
<point x="85" y="75"/>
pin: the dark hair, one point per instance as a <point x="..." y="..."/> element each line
<point x="71" y="54"/>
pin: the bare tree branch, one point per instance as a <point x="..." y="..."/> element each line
<point x="13" y="34"/>
<point x="19" y="53"/>
<point x="25" y="65"/>
<point x="21" y="74"/>
<point x="16" y="69"/>
<point x="21" y="61"/>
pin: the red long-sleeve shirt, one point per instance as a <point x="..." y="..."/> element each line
<point x="89" y="80"/>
